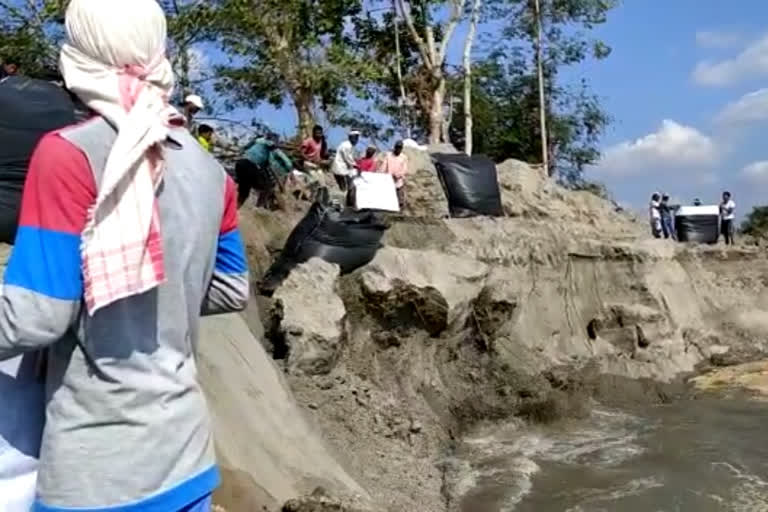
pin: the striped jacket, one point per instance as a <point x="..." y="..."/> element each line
<point x="127" y="428"/>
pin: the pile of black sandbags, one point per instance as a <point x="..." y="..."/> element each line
<point x="29" y="109"/>
<point x="343" y="237"/>
<point x="470" y="184"/>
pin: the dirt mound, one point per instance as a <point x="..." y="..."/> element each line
<point x="463" y="321"/>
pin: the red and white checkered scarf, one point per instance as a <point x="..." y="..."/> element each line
<point x="114" y="61"/>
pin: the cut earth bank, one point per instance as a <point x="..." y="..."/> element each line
<point x="366" y="382"/>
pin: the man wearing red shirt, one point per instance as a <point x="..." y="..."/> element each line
<point x="368" y="164"/>
<point x="314" y="150"/>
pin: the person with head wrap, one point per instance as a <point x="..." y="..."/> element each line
<point x="107" y="275"/>
<point x="344" y="165"/>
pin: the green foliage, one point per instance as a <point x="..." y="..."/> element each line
<point x="291" y="49"/>
<point x="756" y="222"/>
<point x="505" y="94"/>
<point x="30" y="31"/>
<point x="506" y="120"/>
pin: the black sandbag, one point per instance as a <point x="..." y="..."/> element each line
<point x="29" y="109"/>
<point x="700" y="229"/>
<point x="345" y="238"/>
<point x="470" y="184"/>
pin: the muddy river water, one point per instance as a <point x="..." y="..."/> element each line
<point x="690" y="456"/>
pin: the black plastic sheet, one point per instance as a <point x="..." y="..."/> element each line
<point x="345" y="238"/>
<point x="29" y="109"/>
<point x="701" y="229"/>
<point x="471" y="184"/>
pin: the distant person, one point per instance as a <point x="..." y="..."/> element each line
<point x="193" y="104"/>
<point x="697" y="202"/>
<point x="344" y="166"/>
<point x="11" y="67"/>
<point x="264" y="169"/>
<point x="368" y="163"/>
<point x="654" y="211"/>
<point x="396" y="164"/>
<point x="205" y="134"/>
<point x="667" y="218"/>
<point x="314" y="150"/>
<point x="727" y="217"/>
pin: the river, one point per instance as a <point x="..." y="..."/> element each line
<point x="690" y="456"/>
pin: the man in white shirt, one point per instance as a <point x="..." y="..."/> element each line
<point x="344" y="166"/>
<point x="727" y="217"/>
<point x="654" y="212"/>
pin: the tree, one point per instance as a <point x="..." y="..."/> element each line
<point x="756" y="222"/>
<point x="189" y="23"/>
<point x="294" y="49"/>
<point x="468" y="43"/>
<point x="556" y="30"/>
<point x="508" y="95"/>
<point x="424" y="32"/>
<point x="506" y="117"/>
<point x="421" y="65"/>
<point x="30" y="31"/>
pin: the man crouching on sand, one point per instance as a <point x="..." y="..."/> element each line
<point x="128" y="233"/>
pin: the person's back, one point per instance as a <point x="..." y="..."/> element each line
<point x="133" y="362"/>
<point x="259" y="152"/>
<point x="127" y="234"/>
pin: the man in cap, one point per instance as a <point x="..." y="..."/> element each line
<point x="344" y="166"/>
<point x="108" y="276"/>
<point x="193" y="104"/>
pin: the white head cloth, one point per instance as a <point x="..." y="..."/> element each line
<point x="114" y="61"/>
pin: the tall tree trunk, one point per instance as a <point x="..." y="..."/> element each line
<point x="542" y="98"/>
<point x="184" y="81"/>
<point x="304" y="103"/>
<point x="433" y="55"/>
<point x="436" y="113"/>
<point x="404" y="114"/>
<point x="468" y="121"/>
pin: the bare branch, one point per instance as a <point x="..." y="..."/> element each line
<point x="415" y="33"/>
<point x="457" y="11"/>
<point x="468" y="43"/>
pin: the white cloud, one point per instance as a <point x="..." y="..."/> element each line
<point x="756" y="172"/>
<point x="718" y="38"/>
<point x="672" y="145"/>
<point x="749" y="108"/>
<point x="752" y="61"/>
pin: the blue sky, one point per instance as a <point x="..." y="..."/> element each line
<point x="685" y="86"/>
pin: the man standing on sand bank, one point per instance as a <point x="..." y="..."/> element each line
<point x="727" y="217"/>
<point x="396" y="164"/>
<point x="108" y="276"/>
<point x="345" y="164"/>
<point x="654" y="212"/>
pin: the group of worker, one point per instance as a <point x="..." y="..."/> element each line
<point x="265" y="167"/>
<point x="662" y="216"/>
